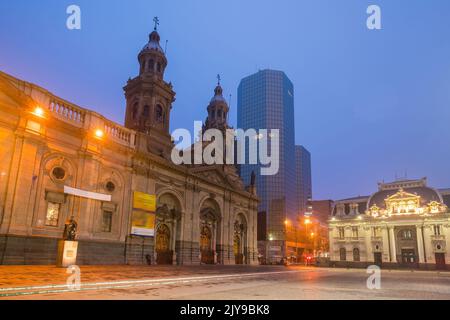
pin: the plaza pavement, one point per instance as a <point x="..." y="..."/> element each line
<point x="218" y="282"/>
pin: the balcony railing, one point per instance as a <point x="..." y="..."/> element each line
<point x="74" y="115"/>
<point x="67" y="112"/>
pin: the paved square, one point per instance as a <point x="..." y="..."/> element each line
<point x="219" y="282"/>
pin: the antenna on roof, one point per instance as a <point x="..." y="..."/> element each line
<point x="229" y="106"/>
<point x="165" y="47"/>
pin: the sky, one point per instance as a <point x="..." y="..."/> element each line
<point x="370" y="105"/>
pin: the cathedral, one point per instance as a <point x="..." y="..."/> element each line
<point x="59" y="161"/>
<point x="405" y="224"/>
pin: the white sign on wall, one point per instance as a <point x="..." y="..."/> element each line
<point x="87" y="194"/>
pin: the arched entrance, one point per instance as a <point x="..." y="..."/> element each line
<point x="406" y="246"/>
<point x="206" y="246"/>
<point x="164" y="254"/>
<point x="210" y="249"/>
<point x="168" y="224"/>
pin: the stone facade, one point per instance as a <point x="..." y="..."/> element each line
<point x="406" y="224"/>
<point x="47" y="143"/>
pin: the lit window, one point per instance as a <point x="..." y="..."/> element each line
<point x="407" y="234"/>
<point x="107" y="221"/>
<point x="52" y="216"/>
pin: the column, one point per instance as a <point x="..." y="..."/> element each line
<point x="174" y="244"/>
<point x="393" y="251"/>
<point x="420" y="244"/>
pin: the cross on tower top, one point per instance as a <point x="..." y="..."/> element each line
<point x="156" y="21"/>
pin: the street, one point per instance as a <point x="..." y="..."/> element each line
<point x="218" y="283"/>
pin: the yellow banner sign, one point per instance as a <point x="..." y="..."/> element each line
<point x="143" y="223"/>
<point x="144" y="201"/>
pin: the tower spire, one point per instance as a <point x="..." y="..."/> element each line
<point x="156" y="21"/>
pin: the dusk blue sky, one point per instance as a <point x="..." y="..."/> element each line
<point x="369" y="105"/>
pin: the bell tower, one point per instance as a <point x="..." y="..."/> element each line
<point x="217" y="110"/>
<point x="149" y="99"/>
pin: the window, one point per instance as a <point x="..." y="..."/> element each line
<point x="159" y="113"/>
<point x="52" y="216"/>
<point x="110" y="186"/>
<point x="134" y="113"/>
<point x="341" y="233"/>
<point x="151" y="65"/>
<point x="107" y="221"/>
<point x="355" y="232"/>
<point x="146" y="112"/>
<point x="437" y="230"/>
<point x="59" y="173"/>
<point x="159" y="67"/>
<point x="356" y="256"/>
<point x="407" y="234"/>
<point x="343" y="254"/>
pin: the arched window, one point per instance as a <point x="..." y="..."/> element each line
<point x="159" y="67"/>
<point x="343" y="254"/>
<point x="356" y="256"/>
<point x="150" y="65"/>
<point x="159" y="114"/>
<point x="219" y="114"/>
<point x="146" y="112"/>
<point x="134" y="111"/>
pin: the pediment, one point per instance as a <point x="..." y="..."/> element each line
<point x="401" y="195"/>
<point x="216" y="175"/>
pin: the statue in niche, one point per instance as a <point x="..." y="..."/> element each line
<point x="70" y="229"/>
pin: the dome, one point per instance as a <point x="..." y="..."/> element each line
<point x="153" y="43"/>
<point x="426" y="195"/>
<point x="218" y="97"/>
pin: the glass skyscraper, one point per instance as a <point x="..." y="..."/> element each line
<point x="266" y="101"/>
<point x="303" y="172"/>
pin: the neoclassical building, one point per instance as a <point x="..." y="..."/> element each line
<point x="403" y="224"/>
<point x="204" y="214"/>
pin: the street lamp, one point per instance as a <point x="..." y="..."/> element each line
<point x="38" y="111"/>
<point x="99" y="133"/>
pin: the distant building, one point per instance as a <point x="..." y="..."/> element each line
<point x="303" y="178"/>
<point x="403" y="224"/>
<point x="266" y="101"/>
<point x="321" y="209"/>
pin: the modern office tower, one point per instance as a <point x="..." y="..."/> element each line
<point x="266" y="101"/>
<point x="303" y="178"/>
